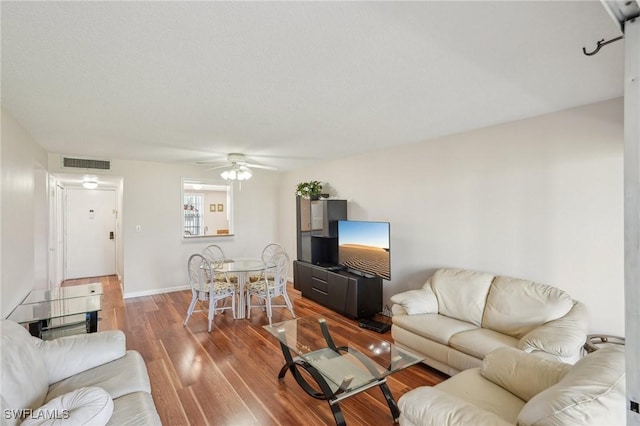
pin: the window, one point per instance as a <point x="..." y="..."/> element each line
<point x="207" y="208"/>
<point x="193" y="214"/>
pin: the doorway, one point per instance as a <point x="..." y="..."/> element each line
<point x="56" y="232"/>
<point x="90" y="232"/>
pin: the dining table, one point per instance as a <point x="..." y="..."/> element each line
<point x="241" y="267"/>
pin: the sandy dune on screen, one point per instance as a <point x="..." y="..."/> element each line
<point x="368" y="259"/>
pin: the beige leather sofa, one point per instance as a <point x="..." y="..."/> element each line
<point x="85" y="379"/>
<point x="460" y="316"/>
<point x="514" y="387"/>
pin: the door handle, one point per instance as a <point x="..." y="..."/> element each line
<point x="111" y="236"/>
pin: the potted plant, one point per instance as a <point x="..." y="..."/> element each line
<point x="311" y="189"/>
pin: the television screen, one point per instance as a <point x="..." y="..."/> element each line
<point x="364" y="247"/>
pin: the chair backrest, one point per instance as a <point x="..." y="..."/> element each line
<point x="200" y="273"/>
<point x="213" y="253"/>
<point x="281" y="262"/>
<point x="269" y="252"/>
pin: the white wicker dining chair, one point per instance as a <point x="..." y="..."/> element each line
<point x="206" y="288"/>
<point x="271" y="286"/>
<point x="268" y="254"/>
<point x="215" y="255"/>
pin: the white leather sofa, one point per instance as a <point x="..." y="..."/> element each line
<point x="514" y="387"/>
<point x="460" y="316"/>
<point x="76" y="380"/>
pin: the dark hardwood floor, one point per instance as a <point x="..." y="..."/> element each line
<point x="229" y="376"/>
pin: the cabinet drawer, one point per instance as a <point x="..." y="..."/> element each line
<point x="320" y="274"/>
<point x="319" y="296"/>
<point x="319" y="285"/>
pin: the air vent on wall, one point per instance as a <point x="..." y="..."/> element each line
<point x="85" y="163"/>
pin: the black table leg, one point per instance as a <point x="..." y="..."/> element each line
<point x="92" y="322"/>
<point x="391" y="402"/>
<point x="326" y="393"/>
<point x="35" y="328"/>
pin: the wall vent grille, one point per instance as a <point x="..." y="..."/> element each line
<point x="85" y="163"/>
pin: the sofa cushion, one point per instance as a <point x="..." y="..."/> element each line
<point x="470" y="386"/>
<point x="134" y="409"/>
<point x="84" y="406"/>
<point x="481" y="341"/>
<point x="461" y="294"/>
<point x="432" y="326"/>
<point x="421" y="301"/>
<point x="522" y="374"/>
<point x="120" y="377"/>
<point x="430" y="406"/>
<point x="592" y="392"/>
<point x="516" y="306"/>
<point x="24" y="376"/>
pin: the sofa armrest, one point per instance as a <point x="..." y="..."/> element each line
<point x="416" y="302"/>
<point x="398" y="310"/>
<point x="71" y="355"/>
<point x="523" y="374"/>
<point x="429" y="406"/>
<point x="563" y="337"/>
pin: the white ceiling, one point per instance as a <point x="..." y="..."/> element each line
<point x="291" y="83"/>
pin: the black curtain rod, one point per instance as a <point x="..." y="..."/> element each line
<point x="601" y="43"/>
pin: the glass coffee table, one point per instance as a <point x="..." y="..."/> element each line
<point x="339" y="372"/>
<point x="60" y="311"/>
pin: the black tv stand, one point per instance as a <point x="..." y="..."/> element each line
<point x="351" y="295"/>
<point x="374" y="325"/>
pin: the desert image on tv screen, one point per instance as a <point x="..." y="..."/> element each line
<point x="367" y="259"/>
<point x="364" y="247"/>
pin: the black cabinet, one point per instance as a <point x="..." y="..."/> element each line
<point x="317" y="229"/>
<point x="348" y="294"/>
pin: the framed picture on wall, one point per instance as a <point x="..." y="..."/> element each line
<point x="212" y="207"/>
<point x="220" y="207"/>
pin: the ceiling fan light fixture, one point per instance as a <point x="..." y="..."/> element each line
<point x="237" y="173"/>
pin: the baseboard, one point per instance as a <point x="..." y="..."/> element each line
<point x="155" y="291"/>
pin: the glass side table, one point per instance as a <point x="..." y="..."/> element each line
<point x="83" y="290"/>
<point x="50" y="312"/>
<point x="595" y="341"/>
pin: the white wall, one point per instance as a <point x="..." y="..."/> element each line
<point x="24" y="215"/>
<point x="540" y="199"/>
<point x="154" y="260"/>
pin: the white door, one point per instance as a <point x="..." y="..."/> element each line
<point x="91" y="226"/>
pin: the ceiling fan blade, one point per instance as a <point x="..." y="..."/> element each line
<point x="224" y="166"/>
<point x="260" y="166"/>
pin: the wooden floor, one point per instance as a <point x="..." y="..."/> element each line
<point x="229" y="376"/>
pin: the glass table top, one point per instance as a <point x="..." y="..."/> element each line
<point x="241" y="265"/>
<point x="348" y="368"/>
<point x="55" y="309"/>
<point x="63" y="293"/>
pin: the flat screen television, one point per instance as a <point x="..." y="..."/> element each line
<point x="363" y="247"/>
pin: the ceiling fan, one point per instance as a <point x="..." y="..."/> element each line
<point x="237" y="167"/>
